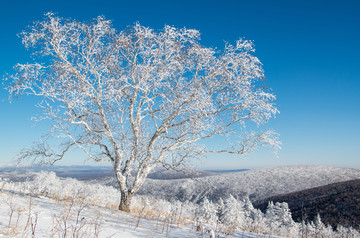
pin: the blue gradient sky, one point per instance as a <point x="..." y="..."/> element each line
<point x="309" y="49"/>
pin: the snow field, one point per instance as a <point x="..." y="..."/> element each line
<point x="46" y="217"/>
<point x="27" y="216"/>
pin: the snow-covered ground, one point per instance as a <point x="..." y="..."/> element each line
<point x="24" y="215"/>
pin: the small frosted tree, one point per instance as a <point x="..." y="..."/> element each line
<point x="321" y="230"/>
<point x="233" y="215"/>
<point x="207" y="213"/>
<point x="240" y="214"/>
<point x="220" y="209"/>
<point x="254" y="218"/>
<point x="139" y="98"/>
<point x="279" y="219"/>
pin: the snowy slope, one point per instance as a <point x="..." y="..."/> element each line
<point x="49" y="218"/>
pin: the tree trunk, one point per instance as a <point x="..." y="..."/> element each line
<point x="125" y="201"/>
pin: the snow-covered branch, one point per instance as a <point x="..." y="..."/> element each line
<point x="139" y="96"/>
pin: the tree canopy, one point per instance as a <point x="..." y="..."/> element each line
<point x="140" y="97"/>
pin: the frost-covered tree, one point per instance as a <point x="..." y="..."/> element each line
<point x="317" y="228"/>
<point x="139" y="98"/>
<point x="233" y="215"/>
<point x="306" y="229"/>
<point x="207" y="213"/>
<point x="279" y="219"/>
<point x="346" y="232"/>
<point x="240" y="214"/>
<point x="220" y="209"/>
<point x="254" y="218"/>
<point x="321" y="230"/>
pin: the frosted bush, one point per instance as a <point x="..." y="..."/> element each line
<point x="174" y="212"/>
<point x="48" y="184"/>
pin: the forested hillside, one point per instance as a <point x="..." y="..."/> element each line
<point x="337" y="203"/>
<point x="259" y="184"/>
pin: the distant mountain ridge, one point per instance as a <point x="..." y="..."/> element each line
<point x="259" y="184"/>
<point x="88" y="172"/>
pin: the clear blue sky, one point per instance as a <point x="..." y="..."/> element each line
<point x="309" y="49"/>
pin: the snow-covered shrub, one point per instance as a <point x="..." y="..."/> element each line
<point x="48" y="184"/>
<point x="168" y="214"/>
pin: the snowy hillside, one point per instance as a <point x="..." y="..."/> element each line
<point x="49" y="206"/>
<point x="258" y="183"/>
<point x="46" y="205"/>
<point x="337" y="203"/>
<point x="44" y="217"/>
<point x="163" y="174"/>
